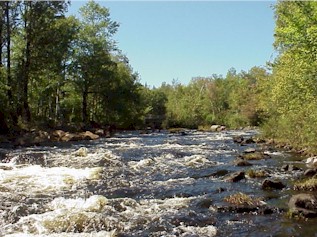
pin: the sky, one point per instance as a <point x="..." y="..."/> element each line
<point x="179" y="40"/>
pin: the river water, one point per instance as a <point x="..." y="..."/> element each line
<point x="133" y="184"/>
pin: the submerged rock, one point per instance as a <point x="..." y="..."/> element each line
<point x="272" y="184"/>
<point x="241" y="162"/>
<point x="303" y="204"/>
<point x="238" y="139"/>
<point x="235" y="177"/>
<point x="218" y="173"/>
<point x="243" y="141"/>
<point x="61" y="136"/>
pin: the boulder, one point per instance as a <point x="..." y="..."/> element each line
<point x="256" y="155"/>
<point x="67" y="137"/>
<point x="310" y="172"/>
<point x="81" y="152"/>
<point x="235" y="177"/>
<point x="249" y="150"/>
<point x="259" y="140"/>
<point x="88" y="136"/>
<point x="288" y="167"/>
<point x="272" y="184"/>
<point x="220" y="173"/>
<point x="248" y="141"/>
<point x="241" y="162"/>
<point x="311" y="162"/>
<point x="57" y="135"/>
<point x="221" y="128"/>
<point x="303" y="204"/>
<point x="41" y="136"/>
<point x="100" y="132"/>
<point x="238" y="139"/>
<point x="214" y="128"/>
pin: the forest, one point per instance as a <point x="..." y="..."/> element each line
<point x="58" y="70"/>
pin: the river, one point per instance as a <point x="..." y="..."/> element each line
<point x="133" y="184"/>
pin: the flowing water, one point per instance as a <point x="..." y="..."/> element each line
<point x="134" y="184"/>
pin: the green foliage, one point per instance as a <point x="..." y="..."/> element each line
<point x="231" y="101"/>
<point x="290" y="96"/>
<point x="61" y="69"/>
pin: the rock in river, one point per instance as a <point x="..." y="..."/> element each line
<point x="288" y="167"/>
<point x="310" y="172"/>
<point x="303" y="204"/>
<point x="241" y="162"/>
<point x="272" y="184"/>
<point x="311" y="162"/>
<point x="235" y="177"/>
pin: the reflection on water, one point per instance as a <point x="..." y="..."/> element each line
<point x="137" y="185"/>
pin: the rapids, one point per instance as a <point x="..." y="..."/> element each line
<point x="133" y="184"/>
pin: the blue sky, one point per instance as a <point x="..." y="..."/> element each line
<point x="183" y="39"/>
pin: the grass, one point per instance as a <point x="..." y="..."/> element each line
<point x="243" y="199"/>
<point x="256" y="173"/>
<point x="306" y="185"/>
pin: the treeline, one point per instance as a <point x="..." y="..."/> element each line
<point x="57" y="69"/>
<point x="280" y="98"/>
<point x="231" y="100"/>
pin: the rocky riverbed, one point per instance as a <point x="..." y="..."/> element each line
<point x="159" y="184"/>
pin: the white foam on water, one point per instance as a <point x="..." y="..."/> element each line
<point x="176" y="182"/>
<point x="92" y="234"/>
<point x="125" y="145"/>
<point x="197" y="161"/>
<point x="207" y="231"/>
<point x="64" y="215"/>
<point x="40" y="180"/>
<point x="168" y="163"/>
<point x="137" y="165"/>
<point x="94" y="203"/>
<point x="98" y="213"/>
<point x="274" y="153"/>
<point x="168" y="145"/>
<point x="83" y="157"/>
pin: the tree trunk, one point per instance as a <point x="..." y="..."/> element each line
<point x="1" y="31"/>
<point x="3" y="124"/>
<point x="84" y="106"/>
<point x="26" y="69"/>
<point x="57" y="105"/>
<point x="9" y="78"/>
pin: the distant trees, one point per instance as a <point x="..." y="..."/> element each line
<point x="230" y="100"/>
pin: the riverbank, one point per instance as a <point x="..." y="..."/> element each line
<point x="37" y="137"/>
